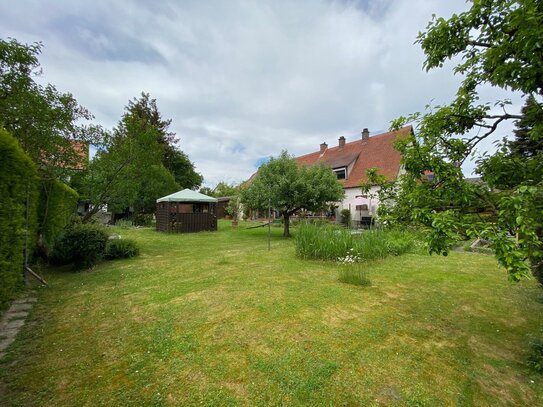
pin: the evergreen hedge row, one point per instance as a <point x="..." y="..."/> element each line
<point x="58" y="205"/>
<point x="18" y="181"/>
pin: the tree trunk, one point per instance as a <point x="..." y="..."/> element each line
<point x="89" y="214"/>
<point x="286" y="225"/>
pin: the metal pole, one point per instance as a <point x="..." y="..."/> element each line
<point x="269" y="224"/>
<point x="26" y="233"/>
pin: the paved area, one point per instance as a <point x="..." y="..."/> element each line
<point x="13" y="320"/>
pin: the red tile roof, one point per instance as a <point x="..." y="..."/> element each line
<point x="377" y="152"/>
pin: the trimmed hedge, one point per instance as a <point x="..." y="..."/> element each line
<point x="18" y="181"/>
<point x="58" y="205"/>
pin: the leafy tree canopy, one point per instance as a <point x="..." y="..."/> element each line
<point x="498" y="43"/>
<point x="129" y="171"/>
<point x="43" y="119"/>
<point x="175" y="161"/>
<point x="289" y="188"/>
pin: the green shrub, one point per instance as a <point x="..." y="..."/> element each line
<point x="58" y="205"/>
<point x="18" y="181"/>
<point x="121" y="249"/>
<point x="346" y="217"/>
<point x="84" y="245"/>
<point x="143" y="219"/>
<point x="535" y="358"/>
<point x="331" y="243"/>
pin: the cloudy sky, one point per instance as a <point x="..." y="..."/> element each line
<point x="241" y="80"/>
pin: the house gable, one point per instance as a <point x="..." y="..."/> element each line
<point x="358" y="156"/>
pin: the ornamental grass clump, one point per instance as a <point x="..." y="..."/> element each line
<point x="332" y="242"/>
<point x="322" y="242"/>
<point x="351" y="271"/>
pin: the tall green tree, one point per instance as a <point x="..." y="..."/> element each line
<point x="288" y="188"/>
<point x="175" y="160"/>
<point x="497" y="43"/>
<point x="128" y="172"/>
<point x="50" y="126"/>
<point x="44" y="120"/>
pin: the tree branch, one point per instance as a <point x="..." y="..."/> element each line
<point x="475" y="43"/>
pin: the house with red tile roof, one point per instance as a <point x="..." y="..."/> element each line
<point x="350" y="161"/>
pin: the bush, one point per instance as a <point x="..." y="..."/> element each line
<point x="143" y="219"/>
<point x="121" y="249"/>
<point x="535" y="359"/>
<point x="332" y="243"/>
<point x="58" y="205"/>
<point x="18" y="181"/>
<point x="346" y="217"/>
<point x="84" y="245"/>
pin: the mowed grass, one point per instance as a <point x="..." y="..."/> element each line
<point x="215" y="319"/>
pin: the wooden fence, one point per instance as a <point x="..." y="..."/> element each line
<point x="185" y="222"/>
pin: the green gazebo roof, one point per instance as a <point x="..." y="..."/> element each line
<point x="186" y="195"/>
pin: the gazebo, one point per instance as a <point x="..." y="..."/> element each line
<point x="186" y="211"/>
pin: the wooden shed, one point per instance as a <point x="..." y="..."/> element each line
<point x="186" y="211"/>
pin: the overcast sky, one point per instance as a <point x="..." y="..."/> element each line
<point x="241" y="80"/>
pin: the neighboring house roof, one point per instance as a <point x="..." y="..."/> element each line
<point x="69" y="155"/>
<point x="376" y="152"/>
<point x="186" y="195"/>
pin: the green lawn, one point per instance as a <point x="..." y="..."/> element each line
<point x="215" y="319"/>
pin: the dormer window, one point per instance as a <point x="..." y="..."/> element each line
<point x="341" y="173"/>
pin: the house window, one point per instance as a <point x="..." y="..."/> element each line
<point x="341" y="173"/>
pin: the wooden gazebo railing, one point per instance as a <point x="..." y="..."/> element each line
<point x="168" y="219"/>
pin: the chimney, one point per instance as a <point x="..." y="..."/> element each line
<point x="341" y="141"/>
<point x="324" y="146"/>
<point x="365" y="135"/>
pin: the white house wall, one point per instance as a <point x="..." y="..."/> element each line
<point x="352" y="198"/>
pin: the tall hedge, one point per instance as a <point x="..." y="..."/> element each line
<point x="58" y="205"/>
<point x="18" y="181"/>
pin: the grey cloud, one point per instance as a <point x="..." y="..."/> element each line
<point x="241" y="80"/>
<point x="102" y="41"/>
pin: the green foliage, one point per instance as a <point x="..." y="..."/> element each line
<point x="346" y="217"/>
<point x="57" y="206"/>
<point x="354" y="274"/>
<point x="351" y="272"/>
<point x="144" y="219"/>
<point x="174" y="160"/>
<point x="84" y="245"/>
<point x="225" y="189"/>
<point x="498" y="43"/>
<point x="129" y="171"/>
<point x="535" y="358"/>
<point x="121" y="249"/>
<point x="18" y="181"/>
<point x="183" y="170"/>
<point x="289" y="188"/>
<point x="44" y="120"/>
<point x="124" y="224"/>
<point x="321" y="242"/>
<point x="234" y="207"/>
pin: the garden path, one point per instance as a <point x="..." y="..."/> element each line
<point x="13" y="320"/>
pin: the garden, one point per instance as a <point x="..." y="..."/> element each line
<point x="214" y="318"/>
